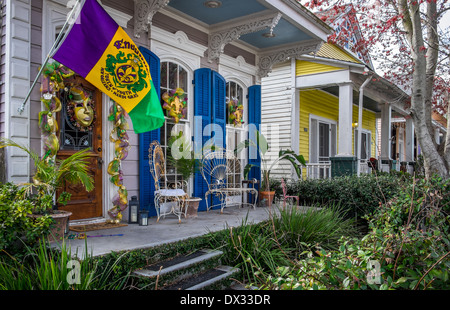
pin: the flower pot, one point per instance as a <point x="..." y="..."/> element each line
<point x="267" y="197"/>
<point x="192" y="204"/>
<point x="58" y="229"/>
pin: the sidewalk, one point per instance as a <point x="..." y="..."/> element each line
<point x="167" y="230"/>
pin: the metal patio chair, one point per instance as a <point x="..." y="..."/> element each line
<point x="167" y="200"/>
<point x="285" y="196"/>
<point x="218" y="168"/>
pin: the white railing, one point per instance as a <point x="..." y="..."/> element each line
<point x="364" y="167"/>
<point x="318" y="170"/>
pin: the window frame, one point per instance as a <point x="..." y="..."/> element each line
<point x="169" y="125"/>
<point x="332" y="137"/>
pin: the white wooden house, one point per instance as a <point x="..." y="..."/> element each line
<point x="215" y="51"/>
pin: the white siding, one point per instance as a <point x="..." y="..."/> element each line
<point x="17" y="83"/>
<point x="277" y="116"/>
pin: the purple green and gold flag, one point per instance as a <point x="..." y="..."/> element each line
<point x="98" y="49"/>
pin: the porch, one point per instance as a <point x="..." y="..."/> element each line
<point x="322" y="170"/>
<point x="167" y="230"/>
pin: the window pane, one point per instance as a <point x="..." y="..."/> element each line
<point x="173" y="76"/>
<point x="234" y="101"/>
<point x="183" y="83"/>
<point x="164" y="84"/>
<point x="324" y="141"/>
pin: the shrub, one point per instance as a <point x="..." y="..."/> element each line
<point x="296" y="227"/>
<point x="358" y="196"/>
<point x="17" y="229"/>
<point x="407" y="248"/>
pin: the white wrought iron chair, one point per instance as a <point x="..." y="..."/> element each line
<point x="217" y="169"/>
<point x="167" y="200"/>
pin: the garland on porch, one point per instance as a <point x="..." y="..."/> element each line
<point x="121" y="146"/>
<point x="235" y="112"/>
<point x="51" y="84"/>
<point x="175" y="101"/>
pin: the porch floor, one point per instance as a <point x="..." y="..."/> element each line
<point x="167" y="230"/>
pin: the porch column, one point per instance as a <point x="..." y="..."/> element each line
<point x="345" y="119"/>
<point x="344" y="163"/>
<point x="409" y="144"/>
<point x="386" y="111"/>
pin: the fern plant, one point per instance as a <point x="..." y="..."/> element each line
<point x="51" y="176"/>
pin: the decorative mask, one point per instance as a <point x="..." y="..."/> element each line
<point x="81" y="109"/>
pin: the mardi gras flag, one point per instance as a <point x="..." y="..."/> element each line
<point x="96" y="48"/>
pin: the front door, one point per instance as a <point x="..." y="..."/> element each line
<point x="80" y="122"/>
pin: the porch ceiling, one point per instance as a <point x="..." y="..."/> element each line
<point x="233" y="12"/>
<point x="368" y="103"/>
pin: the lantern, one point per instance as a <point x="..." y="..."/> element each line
<point x="143" y="218"/>
<point x="133" y="208"/>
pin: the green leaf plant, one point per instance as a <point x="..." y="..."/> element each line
<point x="51" y="176"/>
<point x="263" y="147"/>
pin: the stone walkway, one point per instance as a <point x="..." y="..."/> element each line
<point x="167" y="230"/>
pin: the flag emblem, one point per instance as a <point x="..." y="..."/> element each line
<point x="102" y="52"/>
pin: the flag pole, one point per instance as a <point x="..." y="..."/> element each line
<point x="60" y="35"/>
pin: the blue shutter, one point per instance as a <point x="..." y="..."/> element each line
<point x="202" y="118"/>
<point x="146" y="182"/>
<point x="219" y="109"/>
<point x="254" y="120"/>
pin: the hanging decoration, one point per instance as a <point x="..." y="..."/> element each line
<point x="81" y="109"/>
<point x="51" y="84"/>
<point x="235" y="112"/>
<point x="175" y="101"/>
<point x="121" y="146"/>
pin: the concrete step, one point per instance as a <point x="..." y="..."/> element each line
<point x="215" y="278"/>
<point x="198" y="270"/>
<point x="178" y="263"/>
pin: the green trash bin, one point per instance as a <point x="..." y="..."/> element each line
<point x="341" y="166"/>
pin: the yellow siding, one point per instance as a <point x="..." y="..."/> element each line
<point x="324" y="105"/>
<point x="332" y="51"/>
<point x="320" y="104"/>
<point x="304" y="67"/>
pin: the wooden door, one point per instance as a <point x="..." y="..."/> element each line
<point x="77" y="133"/>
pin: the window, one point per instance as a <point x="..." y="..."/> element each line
<point x="366" y="136"/>
<point x="173" y="78"/>
<point x="323" y="137"/>
<point x="235" y="128"/>
<point x="322" y="140"/>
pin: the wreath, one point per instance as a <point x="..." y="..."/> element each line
<point x="175" y="102"/>
<point x="235" y="113"/>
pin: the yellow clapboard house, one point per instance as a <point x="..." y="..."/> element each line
<point x="322" y="94"/>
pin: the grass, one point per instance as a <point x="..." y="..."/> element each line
<point x="50" y="269"/>
<point x="257" y="249"/>
<point x="260" y="249"/>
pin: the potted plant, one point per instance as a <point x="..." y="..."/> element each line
<point x="183" y="160"/>
<point x="263" y="146"/>
<point x="49" y="177"/>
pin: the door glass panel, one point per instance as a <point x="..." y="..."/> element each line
<point x="77" y="119"/>
<point x="324" y="142"/>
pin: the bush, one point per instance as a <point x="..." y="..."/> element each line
<point x="17" y="229"/>
<point x="407" y="248"/>
<point x="296" y="227"/>
<point x="358" y="196"/>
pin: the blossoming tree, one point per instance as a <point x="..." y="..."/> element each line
<point x="410" y="39"/>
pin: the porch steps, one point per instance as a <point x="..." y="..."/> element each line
<point x="201" y="269"/>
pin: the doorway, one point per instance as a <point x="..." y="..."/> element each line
<point x="80" y="123"/>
